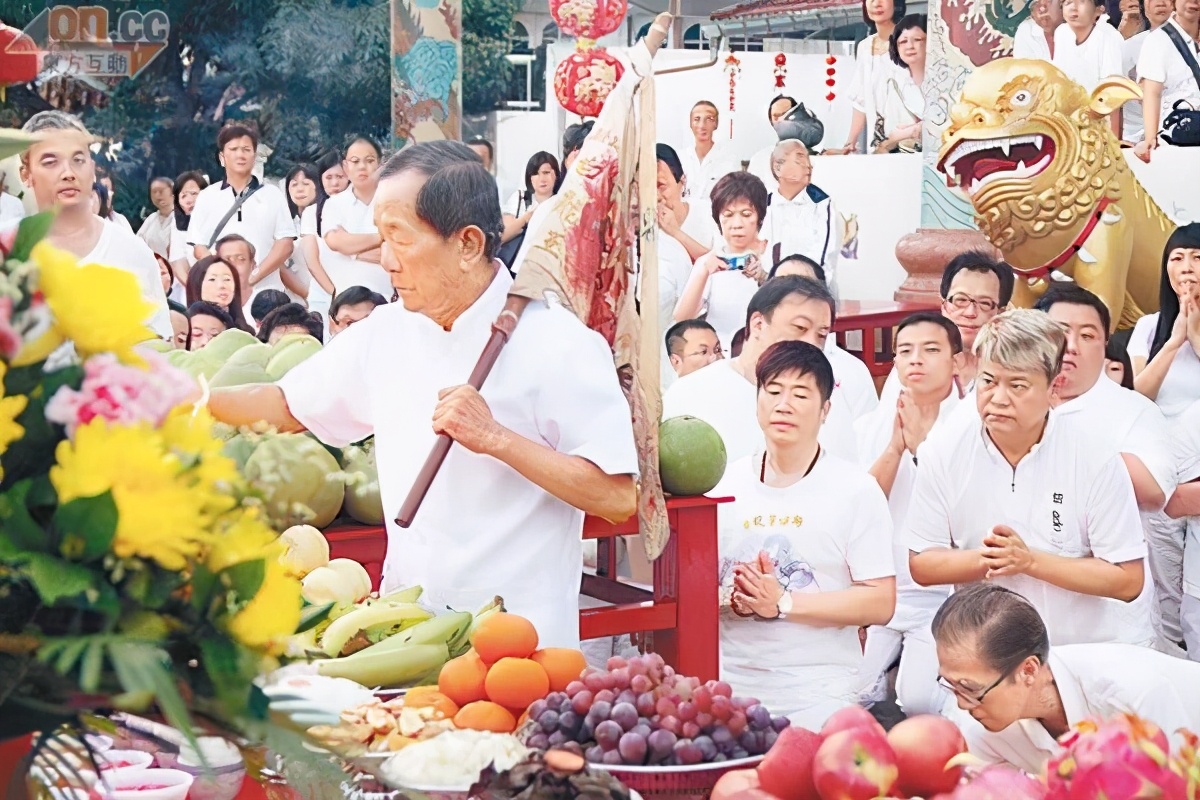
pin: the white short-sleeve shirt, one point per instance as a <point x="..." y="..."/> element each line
<point x="346" y="211"/>
<point x="674" y="270"/>
<point x="720" y="396"/>
<point x="699" y="223"/>
<point x="1126" y="422"/>
<point x="120" y="248"/>
<point x="1096" y="681"/>
<point x="1160" y="61"/>
<point x="853" y="378"/>
<point x="807" y="224"/>
<point x="727" y="295"/>
<point x="1087" y="64"/>
<point x="156" y="233"/>
<point x="1030" y="41"/>
<point x="11" y="209"/>
<point x="1131" y="113"/>
<point x="1070" y="496"/>
<point x="308" y="227"/>
<point x="702" y="176"/>
<point x="484" y="530"/>
<point x="262" y="219"/>
<point x="1185" y="433"/>
<point x="823" y="533"/>
<point x="1181" y="386"/>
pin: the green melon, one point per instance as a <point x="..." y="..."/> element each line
<point x="228" y="342"/>
<point x="691" y="456"/>
<point x="300" y="481"/>
<point x="363" y="502"/>
<point x="290" y="351"/>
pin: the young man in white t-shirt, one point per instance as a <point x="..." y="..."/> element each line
<point x="264" y="218"/>
<point x="1164" y="75"/>
<point x="59" y="170"/>
<point x="722" y="394"/>
<point x="805" y="551"/>
<point x="1030" y="499"/>
<point x="1087" y="48"/>
<point x="928" y="357"/>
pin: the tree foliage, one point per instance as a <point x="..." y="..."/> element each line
<point x="487" y="25"/>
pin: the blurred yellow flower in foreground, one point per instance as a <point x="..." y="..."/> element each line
<point x="100" y="309"/>
<point x="273" y="615"/>
<point x="10" y="409"/>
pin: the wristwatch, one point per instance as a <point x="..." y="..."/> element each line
<point x="784" y="606"/>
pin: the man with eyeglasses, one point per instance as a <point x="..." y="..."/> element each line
<point x="692" y="344"/>
<point x="975" y="287"/>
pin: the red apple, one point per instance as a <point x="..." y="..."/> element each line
<point x="734" y="782"/>
<point x="786" y="772"/>
<point x="855" y="765"/>
<point x="848" y="719"/>
<point x="923" y="744"/>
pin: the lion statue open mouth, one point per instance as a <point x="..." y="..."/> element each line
<point x="1035" y="153"/>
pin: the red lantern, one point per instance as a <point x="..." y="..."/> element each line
<point x="20" y="60"/>
<point x="583" y="80"/>
<point x="780" y="70"/>
<point x="588" y="19"/>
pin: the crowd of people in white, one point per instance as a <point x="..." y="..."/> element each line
<point x="1019" y="507"/>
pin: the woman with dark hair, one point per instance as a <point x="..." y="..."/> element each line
<point x="312" y="243"/>
<point x="288" y="319"/>
<point x="1117" y="365"/>
<point x="206" y="322"/>
<point x="1016" y="695"/>
<point x="214" y="280"/>
<point x="303" y="190"/>
<point x="351" y="306"/>
<point x="1164" y="345"/>
<point x="873" y="68"/>
<point x="184" y="192"/>
<point x="348" y="223"/>
<point x="906" y="100"/>
<point x="541" y="178"/>
<point x="101" y="205"/>
<point x="156" y="229"/>
<point x="760" y="162"/>
<point x="723" y="281"/>
<point x="333" y="177"/>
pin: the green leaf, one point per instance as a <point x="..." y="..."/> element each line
<point x="32" y="230"/>
<point x="55" y="579"/>
<point x="203" y="584"/>
<point x="70" y="655"/>
<point x="86" y="526"/>
<point x="312" y="616"/>
<point x="93" y="663"/>
<point x="143" y="668"/>
<point x="18" y="529"/>
<point x="245" y="578"/>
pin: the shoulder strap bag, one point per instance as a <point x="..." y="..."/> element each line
<point x="233" y="209"/>
<point x="1183" y="123"/>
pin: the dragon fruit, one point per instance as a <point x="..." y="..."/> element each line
<point x="998" y="783"/>
<point x="1124" y="757"/>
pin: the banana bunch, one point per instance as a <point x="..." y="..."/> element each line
<point x="411" y="657"/>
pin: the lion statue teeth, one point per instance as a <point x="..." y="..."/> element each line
<point x="1035" y="153"/>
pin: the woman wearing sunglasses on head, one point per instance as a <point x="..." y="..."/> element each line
<point x="994" y="655"/>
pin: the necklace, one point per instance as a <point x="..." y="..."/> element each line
<point x="762" y="471"/>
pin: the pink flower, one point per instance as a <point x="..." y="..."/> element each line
<point x="120" y="393"/>
<point x="10" y="340"/>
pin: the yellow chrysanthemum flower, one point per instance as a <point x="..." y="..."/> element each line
<point x="273" y="615"/>
<point x="10" y="409"/>
<point x="100" y="309"/>
<point x="247" y="538"/>
<point x="162" y="515"/>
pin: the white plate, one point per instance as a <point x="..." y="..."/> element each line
<point x="319" y="690"/>
<point x="733" y="763"/>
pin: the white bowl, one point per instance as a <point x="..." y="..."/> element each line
<point x="173" y="785"/>
<point x="99" y="741"/>
<point x="131" y="761"/>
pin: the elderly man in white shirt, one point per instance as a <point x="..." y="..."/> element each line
<point x="707" y="160"/>
<point x="723" y="393"/>
<point x="1032" y="500"/>
<point x="1035" y="35"/>
<point x="549" y="433"/>
<point x="801" y="218"/>
<point x="1163" y="73"/>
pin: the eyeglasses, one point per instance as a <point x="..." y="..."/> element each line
<point x="972" y="700"/>
<point x="964" y="301"/>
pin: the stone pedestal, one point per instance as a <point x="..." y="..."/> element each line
<point x="925" y="254"/>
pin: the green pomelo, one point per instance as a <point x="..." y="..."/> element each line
<point x="257" y="355"/>
<point x="239" y="375"/>
<point x="158" y="346"/>
<point x="290" y="351"/>
<point x="228" y="342"/>
<point x="691" y="456"/>
<point x="363" y="501"/>
<point x="300" y="481"/>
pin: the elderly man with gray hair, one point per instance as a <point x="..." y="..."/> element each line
<point x="1031" y="500"/>
<point x="800" y="217"/>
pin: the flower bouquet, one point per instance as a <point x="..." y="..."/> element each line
<point x="136" y="566"/>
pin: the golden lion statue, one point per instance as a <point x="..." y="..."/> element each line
<point x="1035" y="153"/>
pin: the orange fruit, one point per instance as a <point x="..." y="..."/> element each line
<point x="504" y="636"/>
<point x="461" y="679"/>
<point x="516" y="682"/>
<point x="485" y="716"/>
<point x="430" y="697"/>
<point x="562" y="664"/>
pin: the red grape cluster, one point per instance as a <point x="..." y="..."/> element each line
<point x="640" y="712"/>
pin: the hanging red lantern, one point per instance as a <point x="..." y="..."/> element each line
<point x="733" y="68"/>
<point x="20" y="60"/>
<point x="588" y="20"/>
<point x="583" y="80"/>
<point x="780" y="69"/>
<point x="829" y="97"/>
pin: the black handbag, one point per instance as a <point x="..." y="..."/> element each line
<point x="802" y="124"/>
<point x="1182" y="126"/>
<point x="508" y="251"/>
